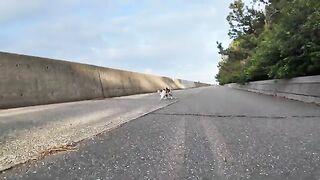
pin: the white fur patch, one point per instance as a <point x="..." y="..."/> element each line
<point x="163" y="94"/>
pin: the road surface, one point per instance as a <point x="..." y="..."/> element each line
<point x="209" y="133"/>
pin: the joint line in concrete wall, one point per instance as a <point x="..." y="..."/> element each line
<point x="101" y="84"/>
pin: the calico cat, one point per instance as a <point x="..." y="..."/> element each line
<point x="165" y="93"/>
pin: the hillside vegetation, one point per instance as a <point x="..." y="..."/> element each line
<point x="271" y="39"/>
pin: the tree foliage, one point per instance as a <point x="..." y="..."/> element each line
<point x="281" y="40"/>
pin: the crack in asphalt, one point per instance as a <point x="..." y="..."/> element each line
<point x="232" y="116"/>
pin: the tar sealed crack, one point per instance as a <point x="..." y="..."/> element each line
<point x="53" y="150"/>
<point x="232" y="116"/>
<point x="67" y="147"/>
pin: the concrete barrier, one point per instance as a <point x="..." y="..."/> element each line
<point x="27" y="80"/>
<point x="306" y="89"/>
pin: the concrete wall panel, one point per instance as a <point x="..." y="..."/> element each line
<point x="305" y="89"/>
<point x="28" y="80"/>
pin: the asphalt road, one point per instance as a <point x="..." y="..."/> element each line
<point x="27" y="133"/>
<point x="210" y="133"/>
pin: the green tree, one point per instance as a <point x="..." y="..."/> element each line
<point x="280" y="42"/>
<point x="245" y="26"/>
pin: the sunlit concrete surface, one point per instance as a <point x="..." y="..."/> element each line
<point x="28" y="80"/>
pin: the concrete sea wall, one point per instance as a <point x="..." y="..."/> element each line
<point x="306" y="89"/>
<point x="28" y="80"/>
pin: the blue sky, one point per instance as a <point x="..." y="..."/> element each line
<point x="174" y="38"/>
